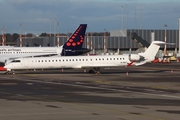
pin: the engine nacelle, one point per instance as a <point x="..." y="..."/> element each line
<point x="134" y="57"/>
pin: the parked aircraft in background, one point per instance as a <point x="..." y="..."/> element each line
<point x="93" y="63"/>
<point x="73" y="46"/>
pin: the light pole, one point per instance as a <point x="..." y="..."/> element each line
<point x="50" y="26"/>
<point x="91" y="41"/>
<point x="58" y="23"/>
<point x="141" y="17"/>
<point x="165" y="52"/>
<point x="54" y="29"/>
<point x="25" y="31"/>
<point x="3" y="36"/>
<point x="179" y="37"/>
<point x="135" y="22"/>
<point x="126" y="16"/>
<point x="122" y="18"/>
<point x="104" y="40"/>
<point x="87" y="38"/>
<point x="20" y="35"/>
<point x="68" y="34"/>
<point x="58" y="36"/>
<point x="54" y="26"/>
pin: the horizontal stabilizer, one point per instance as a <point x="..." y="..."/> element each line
<point x="158" y="42"/>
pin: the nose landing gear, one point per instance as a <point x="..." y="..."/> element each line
<point x="9" y="72"/>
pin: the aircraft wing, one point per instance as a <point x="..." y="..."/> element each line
<point x="90" y="67"/>
<point x="33" y="56"/>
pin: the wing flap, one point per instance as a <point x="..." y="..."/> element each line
<point x="90" y="67"/>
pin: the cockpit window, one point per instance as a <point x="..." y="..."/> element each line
<point x="16" y="61"/>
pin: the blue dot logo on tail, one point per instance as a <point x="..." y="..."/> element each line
<point x="73" y="45"/>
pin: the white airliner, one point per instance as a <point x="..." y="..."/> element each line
<point x="73" y="46"/>
<point x="93" y="63"/>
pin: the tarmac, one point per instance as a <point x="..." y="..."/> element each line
<point x="148" y="92"/>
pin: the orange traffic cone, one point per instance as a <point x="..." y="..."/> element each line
<point x="127" y="74"/>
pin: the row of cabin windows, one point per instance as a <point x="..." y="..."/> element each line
<point x="77" y="60"/>
<point x="23" y="52"/>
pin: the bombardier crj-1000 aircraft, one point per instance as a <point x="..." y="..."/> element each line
<point x="73" y="46"/>
<point x="93" y="63"/>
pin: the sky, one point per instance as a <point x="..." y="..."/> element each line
<point x="43" y="16"/>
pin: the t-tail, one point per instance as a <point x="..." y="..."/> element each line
<point x="150" y="53"/>
<point x="73" y="45"/>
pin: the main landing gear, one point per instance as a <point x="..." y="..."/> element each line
<point x="9" y="72"/>
<point x="95" y="70"/>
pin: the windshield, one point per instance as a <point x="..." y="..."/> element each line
<point x="15" y="61"/>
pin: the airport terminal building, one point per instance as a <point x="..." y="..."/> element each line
<point x="119" y="40"/>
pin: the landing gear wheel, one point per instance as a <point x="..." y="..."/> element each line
<point x="9" y="72"/>
<point x="98" y="72"/>
<point x="91" y="71"/>
<point x="95" y="70"/>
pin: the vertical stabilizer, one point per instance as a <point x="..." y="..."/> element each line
<point x="75" y="42"/>
<point x="151" y="51"/>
